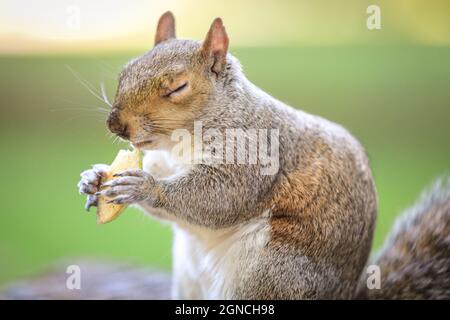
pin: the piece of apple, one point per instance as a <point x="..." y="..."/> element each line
<point x="124" y="160"/>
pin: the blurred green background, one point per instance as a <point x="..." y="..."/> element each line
<point x="394" y="96"/>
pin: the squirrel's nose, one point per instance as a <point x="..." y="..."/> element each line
<point x="116" y="126"/>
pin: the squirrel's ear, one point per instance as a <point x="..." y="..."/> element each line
<point x="215" y="45"/>
<point x="166" y="28"/>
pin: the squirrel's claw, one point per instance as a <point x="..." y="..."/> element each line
<point x="91" y="201"/>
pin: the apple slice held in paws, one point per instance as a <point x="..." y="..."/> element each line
<point x="124" y="160"/>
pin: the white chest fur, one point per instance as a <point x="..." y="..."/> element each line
<point x="207" y="263"/>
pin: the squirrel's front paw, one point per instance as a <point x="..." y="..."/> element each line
<point x="130" y="186"/>
<point x="90" y="182"/>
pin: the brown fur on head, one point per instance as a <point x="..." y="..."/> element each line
<point x="168" y="87"/>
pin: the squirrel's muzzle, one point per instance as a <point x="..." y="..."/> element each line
<point x="116" y="126"/>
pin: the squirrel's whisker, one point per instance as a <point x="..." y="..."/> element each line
<point x="104" y="96"/>
<point x="87" y="85"/>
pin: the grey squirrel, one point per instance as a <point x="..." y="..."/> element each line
<point x="304" y="232"/>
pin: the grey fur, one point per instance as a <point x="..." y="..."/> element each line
<point x="322" y="202"/>
<point x="415" y="259"/>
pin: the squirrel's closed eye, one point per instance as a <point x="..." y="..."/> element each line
<point x="176" y="90"/>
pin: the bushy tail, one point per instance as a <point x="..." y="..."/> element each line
<point x="415" y="260"/>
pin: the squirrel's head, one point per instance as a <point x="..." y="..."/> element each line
<point x="168" y="87"/>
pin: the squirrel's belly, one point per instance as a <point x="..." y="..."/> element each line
<point x="209" y="263"/>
